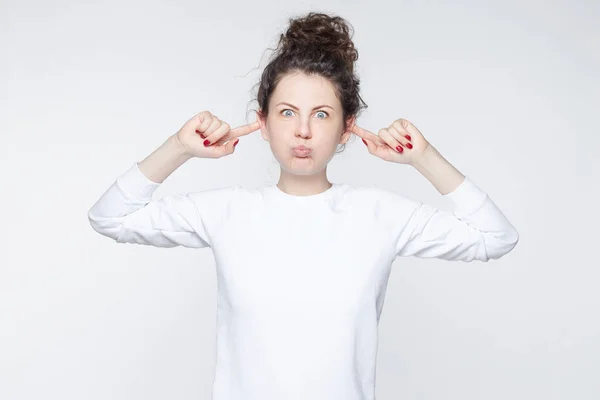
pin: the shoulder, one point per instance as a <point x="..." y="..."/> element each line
<point x="384" y="205"/>
<point x="229" y="195"/>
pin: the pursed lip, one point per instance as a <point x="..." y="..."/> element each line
<point x="301" y="148"/>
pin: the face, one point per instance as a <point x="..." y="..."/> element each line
<point x="304" y="111"/>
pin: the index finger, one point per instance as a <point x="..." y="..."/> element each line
<point x="365" y="134"/>
<point x="244" y="129"/>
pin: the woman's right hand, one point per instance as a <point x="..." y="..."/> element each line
<point x="206" y="136"/>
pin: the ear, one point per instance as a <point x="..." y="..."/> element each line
<point x="262" y="120"/>
<point x="349" y="128"/>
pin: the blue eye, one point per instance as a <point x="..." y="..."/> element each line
<point x="319" y="112"/>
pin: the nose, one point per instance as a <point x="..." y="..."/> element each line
<point x="303" y="130"/>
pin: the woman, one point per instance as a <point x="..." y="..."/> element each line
<point x="303" y="264"/>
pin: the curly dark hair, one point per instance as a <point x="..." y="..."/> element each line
<point x="320" y="44"/>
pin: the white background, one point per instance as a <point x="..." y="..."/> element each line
<point x="508" y="91"/>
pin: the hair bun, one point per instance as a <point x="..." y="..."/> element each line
<point x="321" y="34"/>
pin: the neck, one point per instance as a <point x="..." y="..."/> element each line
<point x="303" y="185"/>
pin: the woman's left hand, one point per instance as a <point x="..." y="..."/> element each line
<point x="401" y="142"/>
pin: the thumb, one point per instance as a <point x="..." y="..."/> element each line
<point x="230" y="146"/>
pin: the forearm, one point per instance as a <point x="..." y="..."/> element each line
<point x="443" y="175"/>
<point x="163" y="161"/>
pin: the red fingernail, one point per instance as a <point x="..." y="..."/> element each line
<point x="365" y="142"/>
<point x="206" y="142"/>
<point x="408" y="137"/>
<point x="400" y="149"/>
<point x="201" y="134"/>
<point x="236" y="142"/>
<point x="409" y="145"/>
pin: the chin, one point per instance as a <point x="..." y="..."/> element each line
<point x="300" y="172"/>
<point x="300" y="165"/>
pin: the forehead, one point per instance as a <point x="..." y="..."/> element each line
<point x="305" y="90"/>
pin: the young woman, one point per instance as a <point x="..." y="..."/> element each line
<point x="303" y="265"/>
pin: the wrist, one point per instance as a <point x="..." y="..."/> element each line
<point x="437" y="170"/>
<point x="179" y="148"/>
<point x="426" y="157"/>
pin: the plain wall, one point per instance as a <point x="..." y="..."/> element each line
<point x="507" y="91"/>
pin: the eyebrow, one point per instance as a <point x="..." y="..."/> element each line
<point x="296" y="108"/>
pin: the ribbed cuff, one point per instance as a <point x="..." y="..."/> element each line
<point x="135" y="184"/>
<point x="467" y="197"/>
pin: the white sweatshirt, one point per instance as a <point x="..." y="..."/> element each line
<point x="301" y="279"/>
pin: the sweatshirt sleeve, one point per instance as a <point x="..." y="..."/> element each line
<point x="127" y="213"/>
<point x="475" y="230"/>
